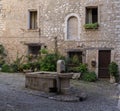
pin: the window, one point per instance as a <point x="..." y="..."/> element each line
<point x="34" y="49"/>
<point x="77" y="54"/>
<point x="32" y="19"/>
<point x="91" y="15"/>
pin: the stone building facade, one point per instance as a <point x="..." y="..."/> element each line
<point x="28" y="24"/>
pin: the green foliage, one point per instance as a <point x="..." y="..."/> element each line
<point x="75" y="60"/>
<point x="89" y="76"/>
<point x="72" y="64"/>
<point x="83" y="68"/>
<point x="25" y="66"/>
<point x="59" y="56"/>
<point x="2" y="55"/>
<point x="113" y="69"/>
<point x="48" y="63"/>
<point x="37" y="65"/>
<point x="34" y="62"/>
<point x="2" y="60"/>
<point x="6" y="68"/>
<point x="13" y="67"/>
<point x="34" y="66"/>
<point x="2" y="50"/>
<point x="43" y="51"/>
<point x="91" y="26"/>
<point x="74" y="69"/>
<point x="30" y="57"/>
<point x="86" y="74"/>
<point x="17" y="64"/>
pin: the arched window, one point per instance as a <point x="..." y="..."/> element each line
<point x="72" y="23"/>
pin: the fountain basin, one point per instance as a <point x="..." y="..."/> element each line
<point x="48" y="81"/>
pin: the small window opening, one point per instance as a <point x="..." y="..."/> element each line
<point x="33" y="20"/>
<point x="34" y="50"/>
<point x="75" y="55"/>
<point x="92" y="15"/>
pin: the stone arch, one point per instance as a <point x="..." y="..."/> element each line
<point x="72" y="27"/>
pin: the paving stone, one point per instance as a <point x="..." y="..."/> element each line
<point x="101" y="96"/>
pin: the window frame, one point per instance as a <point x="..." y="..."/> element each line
<point x="31" y="47"/>
<point x="79" y="54"/>
<point x="91" y="7"/>
<point x="35" y="27"/>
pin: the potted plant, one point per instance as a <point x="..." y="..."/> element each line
<point x="91" y="26"/>
<point x="113" y="69"/>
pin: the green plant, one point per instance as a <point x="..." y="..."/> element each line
<point x="2" y="50"/>
<point x="48" y="63"/>
<point x="34" y="66"/>
<point x="30" y="57"/>
<point x="72" y="64"/>
<point x="89" y="76"/>
<point x="113" y="69"/>
<point x="43" y="51"/>
<point x="37" y="65"/>
<point x="25" y="66"/>
<point x="6" y="68"/>
<point x="2" y="60"/>
<point x="73" y="69"/>
<point x="75" y="60"/>
<point x="59" y="56"/>
<point x="17" y="64"/>
<point x="2" y="55"/>
<point x="83" y="68"/>
<point x="91" y="26"/>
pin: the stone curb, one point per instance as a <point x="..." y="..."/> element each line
<point x="64" y="98"/>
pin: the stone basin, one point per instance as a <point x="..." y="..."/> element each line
<point x="48" y="81"/>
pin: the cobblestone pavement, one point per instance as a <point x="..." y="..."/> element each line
<point x="102" y="96"/>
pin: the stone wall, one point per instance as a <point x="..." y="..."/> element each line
<point x="52" y="14"/>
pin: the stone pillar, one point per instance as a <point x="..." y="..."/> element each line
<point x="60" y="69"/>
<point x="60" y="66"/>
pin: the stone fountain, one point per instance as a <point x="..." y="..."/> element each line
<point x="58" y="82"/>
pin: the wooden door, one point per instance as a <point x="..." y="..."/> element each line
<point x="104" y="61"/>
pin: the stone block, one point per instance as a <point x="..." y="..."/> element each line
<point x="60" y="66"/>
